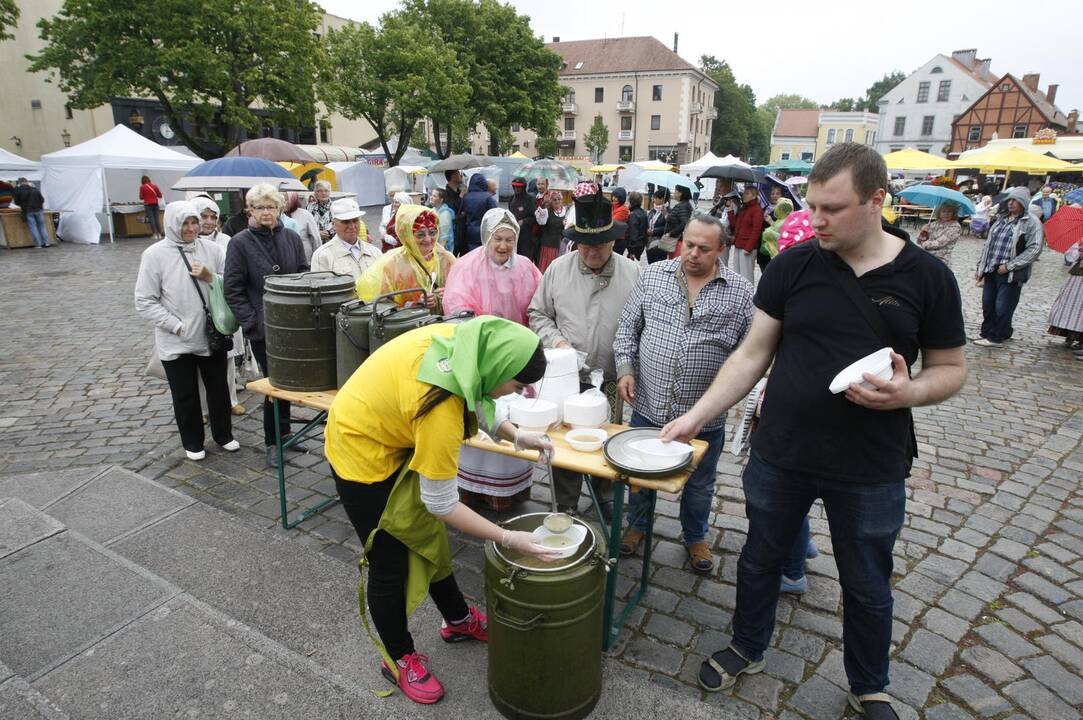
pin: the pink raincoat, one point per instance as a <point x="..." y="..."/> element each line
<point x="796" y="229"/>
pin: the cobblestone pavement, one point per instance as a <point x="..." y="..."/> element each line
<point x="989" y="567"/>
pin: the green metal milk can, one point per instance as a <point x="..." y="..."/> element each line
<point x="351" y="338"/>
<point x="545" y="628"/>
<point x="299" y="321"/>
<point x="389" y="320"/>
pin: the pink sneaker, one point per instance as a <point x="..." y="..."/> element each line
<point x="475" y="626"/>
<point x="415" y="680"/>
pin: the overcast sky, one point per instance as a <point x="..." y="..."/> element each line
<point x="824" y="50"/>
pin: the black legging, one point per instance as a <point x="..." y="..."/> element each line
<point x="259" y="352"/>
<point x="182" y="373"/>
<point x="386" y="586"/>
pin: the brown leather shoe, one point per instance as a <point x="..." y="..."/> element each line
<point x="629" y="544"/>
<point x="700" y="557"/>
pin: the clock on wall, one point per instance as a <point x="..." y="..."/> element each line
<point x="164" y="129"/>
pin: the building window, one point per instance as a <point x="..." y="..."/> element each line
<point x="784" y="156"/>
<point x="625" y="153"/>
<point x="515" y="127"/>
<point x="656" y="92"/>
<point x="1019" y="131"/>
<point x="806" y="156"/>
<point x="923" y="92"/>
<point x="927" y="125"/>
<point x="68" y="115"/>
<point x="870" y="138"/>
<point x="569" y="123"/>
<point x="570" y="97"/>
<point x="1005" y="87"/>
<point x="665" y="153"/>
<point x="975" y="133"/>
<point x="900" y="125"/>
<point x="626" y="122"/>
<point x="943" y="91"/>
<point x="656" y="122"/>
<point x="935" y="70"/>
<point x="894" y="148"/>
<point x="924" y="148"/>
<point x="515" y="148"/>
<point x="626" y="94"/>
<point x="599" y="95"/>
<point x="831" y="136"/>
<point x="849" y="135"/>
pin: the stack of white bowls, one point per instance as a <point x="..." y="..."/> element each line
<point x="561" y="379"/>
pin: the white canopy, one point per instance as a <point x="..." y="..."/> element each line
<point x="364" y="180"/>
<point x="14" y="166"/>
<point x="77" y="179"/>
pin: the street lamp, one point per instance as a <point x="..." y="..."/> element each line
<point x="17" y="140"/>
<point x="135" y="120"/>
<point x="66" y="137"/>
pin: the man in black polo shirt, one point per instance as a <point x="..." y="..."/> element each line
<point x="854" y="450"/>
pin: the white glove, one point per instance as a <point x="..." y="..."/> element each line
<point x="541" y="215"/>
<point x="524" y="542"/>
<point x="529" y="440"/>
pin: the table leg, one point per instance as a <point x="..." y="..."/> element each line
<point x="611" y="629"/>
<point x="280" y="447"/>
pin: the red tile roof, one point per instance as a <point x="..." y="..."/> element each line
<point x="617" y="55"/>
<point x="797" y="123"/>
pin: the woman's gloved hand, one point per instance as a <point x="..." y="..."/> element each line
<point x="528" y="440"/>
<point x="524" y="542"/>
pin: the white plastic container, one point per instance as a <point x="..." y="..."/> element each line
<point x="563" y="544"/>
<point x="878" y="364"/>
<point x="586" y="439"/>
<point x="533" y="414"/>
<point x="658" y="455"/>
<point x="586" y="410"/>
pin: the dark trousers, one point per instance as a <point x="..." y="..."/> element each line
<point x="655" y="255"/>
<point x="259" y="351"/>
<point x="386" y="585"/>
<point x="999" y="299"/>
<point x="154" y="219"/>
<point x="864" y="519"/>
<point x="183" y="374"/>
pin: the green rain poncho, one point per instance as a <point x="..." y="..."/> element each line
<point x="769" y="245"/>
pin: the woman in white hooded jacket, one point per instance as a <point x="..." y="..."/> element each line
<point x="165" y="295"/>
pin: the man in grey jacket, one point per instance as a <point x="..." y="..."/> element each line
<point x="1014" y="244"/>
<point x="577" y="305"/>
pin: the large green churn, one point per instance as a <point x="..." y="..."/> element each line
<point x="389" y="320"/>
<point x="545" y="628"/>
<point x="299" y="319"/>
<point x="351" y="338"/>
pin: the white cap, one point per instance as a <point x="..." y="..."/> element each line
<point x="346" y="209"/>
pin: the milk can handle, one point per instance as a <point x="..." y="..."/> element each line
<point x="516" y="624"/>
<point x="378" y="315"/>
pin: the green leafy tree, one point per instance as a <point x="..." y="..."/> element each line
<point x="546" y="143"/>
<point x="9" y="18"/>
<point x="208" y="77"/>
<point x="880" y="88"/>
<point x="734" y="129"/>
<point x="846" y="105"/>
<point x="511" y="74"/>
<point x="597" y="138"/>
<point x="392" y="77"/>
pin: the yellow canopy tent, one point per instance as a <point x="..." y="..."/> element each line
<point x="911" y="159"/>
<point x="1013" y="159"/>
<point x="322" y="172"/>
<point x="519" y="155"/>
<point x="606" y="168"/>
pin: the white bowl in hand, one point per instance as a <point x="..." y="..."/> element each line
<point x="561" y="545"/>
<point x="658" y="455"/>
<point x="878" y="364"/>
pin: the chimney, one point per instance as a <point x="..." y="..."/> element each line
<point x="1051" y="94"/>
<point x="983" y="67"/>
<point x="1031" y="80"/>
<point x="966" y="57"/>
<point x="674" y="43"/>
<point x="1073" y="121"/>
<point x="556" y="38"/>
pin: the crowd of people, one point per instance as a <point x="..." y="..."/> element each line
<point x="662" y="300"/>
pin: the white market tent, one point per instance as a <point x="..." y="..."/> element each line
<point x="77" y="180"/>
<point x="709" y="160"/>
<point x="365" y="181"/>
<point x="410" y="178"/>
<point x="14" y="166"/>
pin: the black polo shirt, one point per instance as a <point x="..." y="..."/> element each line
<point x="803" y="426"/>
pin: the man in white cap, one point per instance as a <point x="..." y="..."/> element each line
<point x="348" y="252"/>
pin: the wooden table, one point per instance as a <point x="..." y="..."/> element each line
<point x="564" y="456"/>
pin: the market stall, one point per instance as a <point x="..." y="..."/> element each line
<point x="14" y="166"/>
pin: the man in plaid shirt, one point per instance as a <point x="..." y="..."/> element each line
<point x="681" y="322"/>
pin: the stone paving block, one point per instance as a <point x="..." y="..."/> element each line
<point x="41" y="488"/>
<point x="957" y="549"/>
<point x="976" y="695"/>
<point x="700" y="613"/>
<point x="1054" y="676"/>
<point x="762" y="690"/>
<point x="669" y="629"/>
<point x="818" y="699"/>
<point x="718" y="593"/>
<point x="1035" y="607"/>
<point x="832" y="669"/>
<point x="991" y="664"/>
<point x="783" y="665"/>
<point x="910" y="684"/>
<point x="1062" y="650"/>
<point x="824" y="594"/>
<point x="802" y="644"/>
<point x="658" y="599"/>
<point x="1073" y="608"/>
<point x="21" y="525"/>
<point x="943" y="569"/>
<point x="1030" y="694"/>
<point x="947" y="711"/>
<point x="996" y="566"/>
<point x="945" y="624"/>
<point x="929" y="652"/>
<point x="981" y="586"/>
<point x="1018" y="621"/>
<point x="59" y="595"/>
<point x="20" y="701"/>
<point x="651" y="654"/>
<point x="1071" y="631"/>
<point x="906" y="607"/>
<point x="1041" y="587"/>
<point x="827" y="625"/>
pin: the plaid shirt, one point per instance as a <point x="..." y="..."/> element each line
<point x="1000" y="243"/>
<point x="675" y="347"/>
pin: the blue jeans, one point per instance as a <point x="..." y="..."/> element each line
<point x="36" y="221"/>
<point x="698" y="493"/>
<point x="864" y="521"/>
<point x="998" y="300"/>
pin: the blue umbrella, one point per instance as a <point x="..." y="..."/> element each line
<point x="1076" y="196"/>
<point x="934" y="195"/>
<point x="666" y="179"/>
<point x="236" y="173"/>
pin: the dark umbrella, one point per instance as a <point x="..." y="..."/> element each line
<point x="464" y="161"/>
<point x="309" y="177"/>
<point x="770" y="181"/>
<point x="271" y="149"/>
<point x="732" y="172"/>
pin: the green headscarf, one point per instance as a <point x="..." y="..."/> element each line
<point x="479" y="356"/>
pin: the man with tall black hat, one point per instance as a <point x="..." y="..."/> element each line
<point x="577" y="305"/>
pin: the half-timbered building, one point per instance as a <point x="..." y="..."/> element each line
<point x="1011" y="108"/>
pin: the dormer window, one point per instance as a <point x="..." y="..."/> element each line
<point x="579" y="65"/>
<point x="935" y="70"/>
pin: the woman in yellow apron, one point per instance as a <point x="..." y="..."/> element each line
<point x="393" y="437"/>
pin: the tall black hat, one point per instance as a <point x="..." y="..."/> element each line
<point x="594" y="222"/>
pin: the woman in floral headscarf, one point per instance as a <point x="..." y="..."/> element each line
<point x="419" y="263"/>
<point x="493" y="280"/>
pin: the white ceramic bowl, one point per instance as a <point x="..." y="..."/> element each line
<point x="562" y="545"/>
<point x="533" y="414"/>
<point x="657" y="455"/>
<point x="878" y="364"/>
<point x="586" y="439"/>
<point x="586" y="410"/>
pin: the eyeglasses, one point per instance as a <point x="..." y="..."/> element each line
<point x="426" y="232"/>
<point x="265" y="208"/>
